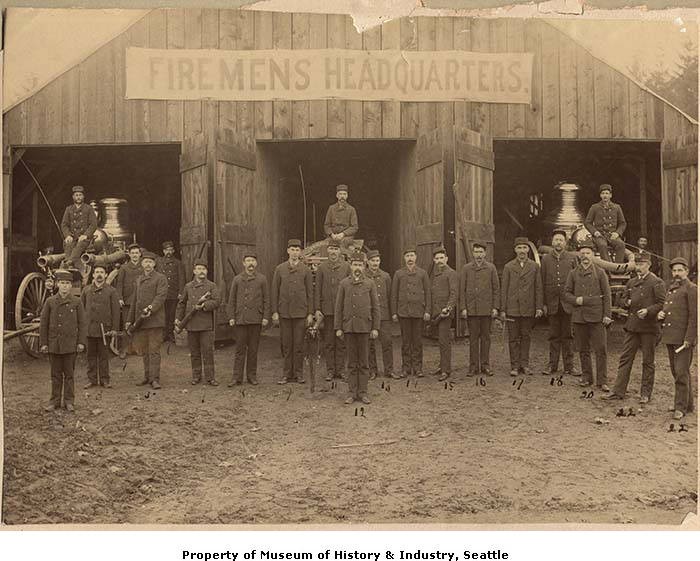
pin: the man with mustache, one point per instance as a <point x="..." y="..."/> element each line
<point x="249" y="312"/>
<point x="587" y="291"/>
<point x="126" y="279"/>
<point x="78" y="225"/>
<point x="382" y="280"/>
<point x="341" y="218"/>
<point x="174" y="271"/>
<point x="606" y="223"/>
<point x="443" y="296"/>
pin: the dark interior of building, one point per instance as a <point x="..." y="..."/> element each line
<point x="527" y="171"/>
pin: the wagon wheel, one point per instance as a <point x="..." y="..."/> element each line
<point x="535" y="253"/>
<point x="31" y="295"/>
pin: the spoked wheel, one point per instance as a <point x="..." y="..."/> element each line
<point x="31" y="296"/>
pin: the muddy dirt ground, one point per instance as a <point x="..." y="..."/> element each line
<point x="524" y="453"/>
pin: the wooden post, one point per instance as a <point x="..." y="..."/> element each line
<point x="643" y="197"/>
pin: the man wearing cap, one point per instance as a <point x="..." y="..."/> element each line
<point x="587" y="292"/>
<point x="248" y="311"/>
<point x="357" y="318"/>
<point x="479" y="293"/>
<point x="62" y="334"/>
<point x="78" y="225"/>
<point x="292" y="302"/>
<point x="556" y="266"/>
<point x="606" y="223"/>
<point x="126" y="279"/>
<point x="328" y="277"/>
<point x="174" y="271"/>
<point x="341" y="218"/>
<point x="521" y="304"/>
<point x="443" y="297"/>
<point x="643" y="249"/>
<point x="644" y="296"/>
<point x="147" y="301"/>
<point x="410" y="306"/>
<point x="679" y="332"/>
<point x="200" y="297"/>
<point x="101" y="305"/>
<point x="382" y="281"/>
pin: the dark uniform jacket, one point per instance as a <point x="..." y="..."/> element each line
<point x="174" y="271"/>
<point x="63" y="324"/>
<point x="201" y="320"/>
<point x="443" y="290"/>
<point x="79" y="221"/>
<point x="648" y="293"/>
<point x="248" y="299"/>
<point x="101" y="306"/>
<point x="382" y="281"/>
<point x="328" y="277"/>
<point x="340" y="220"/>
<point x="555" y="269"/>
<point x="681" y="321"/>
<point x="592" y="284"/>
<point x="357" y="306"/>
<point x="126" y="280"/>
<point x="292" y="291"/>
<point x="410" y="293"/>
<point x="605" y="219"/>
<point x="479" y="288"/>
<point x="150" y="290"/>
<point x="521" y="291"/>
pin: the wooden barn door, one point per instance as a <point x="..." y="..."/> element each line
<point x="679" y="158"/>
<point x="195" y="201"/>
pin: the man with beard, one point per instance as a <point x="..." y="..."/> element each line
<point x="101" y="305"/>
<point x="292" y="301"/>
<point x="78" y="225"/>
<point x="679" y="333"/>
<point x="411" y="305"/>
<point x="382" y="281"/>
<point x="587" y="291"/>
<point x="443" y="297"/>
<point x="521" y="304"/>
<point x="556" y="266"/>
<point x="174" y="271"/>
<point x="606" y="223"/>
<point x="328" y="277"/>
<point x="249" y="312"/>
<point x="357" y="318"/>
<point x="341" y="218"/>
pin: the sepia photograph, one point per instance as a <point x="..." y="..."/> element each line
<point x="268" y="267"/>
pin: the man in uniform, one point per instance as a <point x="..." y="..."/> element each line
<point x="382" y="281"/>
<point x="62" y="334"/>
<point x="148" y="300"/>
<point x="200" y="297"/>
<point x="521" y="304"/>
<point x="126" y="279"/>
<point x="606" y="223"/>
<point x="248" y="311"/>
<point x="556" y="266"/>
<point x="357" y="317"/>
<point x="644" y="295"/>
<point x="443" y="298"/>
<point x="341" y="218"/>
<point x="174" y="271"/>
<point x="679" y="332"/>
<point x="587" y="291"/>
<point x="643" y="249"/>
<point x="101" y="305"/>
<point x="328" y="277"/>
<point x="479" y="293"/>
<point x="411" y="305"/>
<point x="78" y="225"/>
<point x="292" y="301"/>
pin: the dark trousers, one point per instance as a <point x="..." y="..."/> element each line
<point x="479" y="342"/>
<point x="333" y="349"/>
<point x="592" y="337"/>
<point x="519" y="341"/>
<point x="74" y="250"/>
<point x="384" y="340"/>
<point x="445" y="344"/>
<point x="147" y="343"/>
<point x="247" y="342"/>
<point x="358" y="363"/>
<point x="62" y="367"/>
<point x="560" y="341"/>
<point x="202" y="354"/>
<point x="602" y="243"/>
<point x="411" y="345"/>
<point x="170" y="307"/>
<point x="633" y="342"/>
<point x="680" y="368"/>
<point x="97" y="361"/>
<point x="292" y="333"/>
